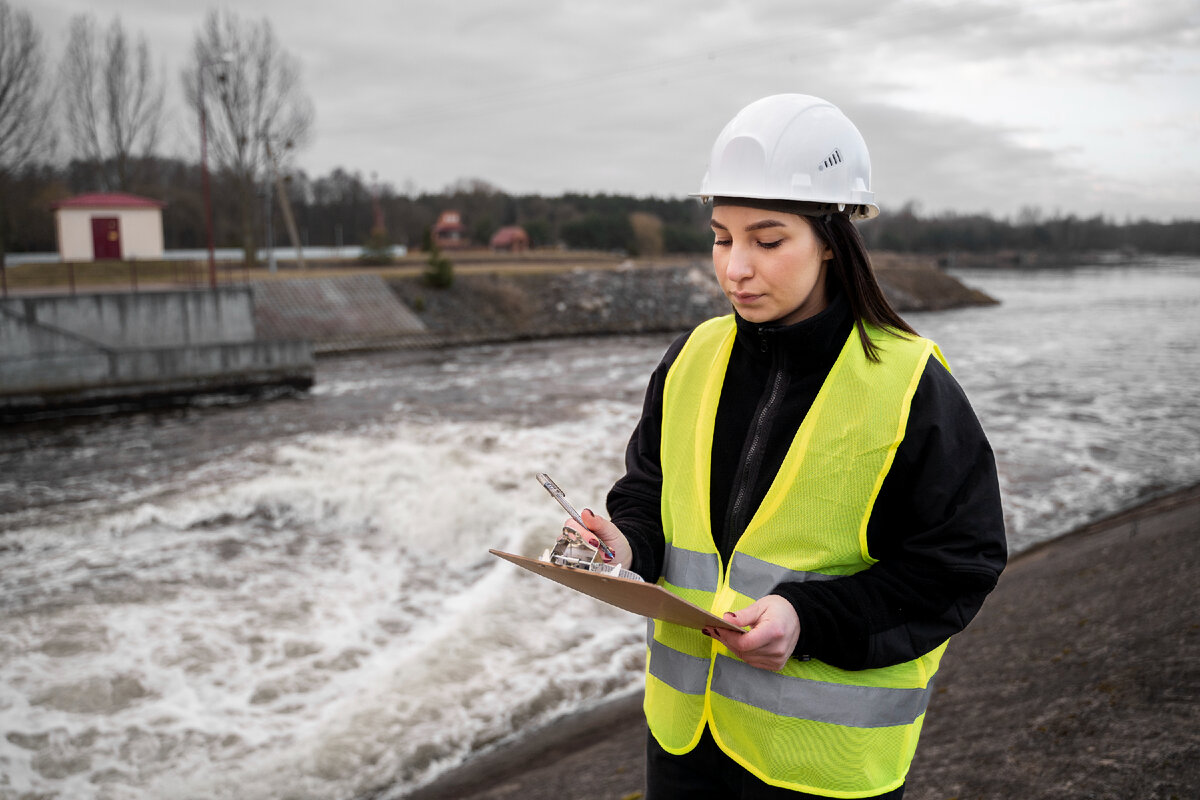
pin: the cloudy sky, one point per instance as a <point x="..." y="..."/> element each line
<point x="1084" y="106"/>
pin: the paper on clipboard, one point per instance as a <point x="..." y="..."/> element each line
<point x="647" y="599"/>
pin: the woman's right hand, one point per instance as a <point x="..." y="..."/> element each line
<point x="606" y="531"/>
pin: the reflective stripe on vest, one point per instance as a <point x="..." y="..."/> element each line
<point x="682" y="672"/>
<point x="756" y="578"/>
<point x="688" y="569"/>
<point x="820" y="701"/>
<point x="782" y="726"/>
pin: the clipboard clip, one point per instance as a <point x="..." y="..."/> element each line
<point x="570" y="550"/>
<point x="558" y="494"/>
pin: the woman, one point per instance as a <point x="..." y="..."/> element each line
<point x="807" y="467"/>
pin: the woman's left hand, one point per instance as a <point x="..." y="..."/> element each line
<point x="771" y="640"/>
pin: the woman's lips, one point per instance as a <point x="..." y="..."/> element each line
<point x="745" y="297"/>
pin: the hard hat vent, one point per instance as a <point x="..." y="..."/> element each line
<point x="833" y="159"/>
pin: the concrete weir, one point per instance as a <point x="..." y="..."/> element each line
<point x="64" y="351"/>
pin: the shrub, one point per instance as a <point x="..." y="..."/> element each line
<point x="440" y="272"/>
<point x="377" y="250"/>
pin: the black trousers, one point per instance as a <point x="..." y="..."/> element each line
<point x="706" y="773"/>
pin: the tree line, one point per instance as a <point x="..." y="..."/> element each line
<point x="907" y="231"/>
<point x="338" y="209"/>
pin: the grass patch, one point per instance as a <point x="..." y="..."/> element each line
<point x="106" y="274"/>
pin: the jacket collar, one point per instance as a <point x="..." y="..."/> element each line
<point x="813" y="342"/>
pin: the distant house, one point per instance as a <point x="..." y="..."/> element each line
<point x="512" y="238"/>
<point x="449" y="232"/>
<point x="101" y="227"/>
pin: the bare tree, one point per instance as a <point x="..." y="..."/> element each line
<point x="251" y="89"/>
<point x="25" y="104"/>
<point x="113" y="101"/>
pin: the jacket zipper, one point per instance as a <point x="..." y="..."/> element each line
<point x="747" y="473"/>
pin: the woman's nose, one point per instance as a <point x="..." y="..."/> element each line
<point x="741" y="263"/>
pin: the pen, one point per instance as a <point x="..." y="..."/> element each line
<point x="559" y="495"/>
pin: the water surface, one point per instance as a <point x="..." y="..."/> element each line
<point x="293" y="599"/>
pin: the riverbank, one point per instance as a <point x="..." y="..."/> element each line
<point x="1079" y="678"/>
<point x="625" y="297"/>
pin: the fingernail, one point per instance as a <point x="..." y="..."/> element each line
<point x="593" y="543"/>
<point x="589" y="511"/>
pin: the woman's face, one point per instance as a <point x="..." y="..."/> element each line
<point x="770" y="264"/>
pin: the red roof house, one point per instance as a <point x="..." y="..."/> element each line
<point x="111" y="225"/>
<point x="512" y="238"/>
<point x="449" y="232"/>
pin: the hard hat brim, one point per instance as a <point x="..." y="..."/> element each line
<point x="804" y="208"/>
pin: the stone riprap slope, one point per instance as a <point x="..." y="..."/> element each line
<point x="627" y="299"/>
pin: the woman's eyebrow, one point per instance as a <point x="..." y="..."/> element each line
<point x="766" y="223"/>
<point x="757" y="226"/>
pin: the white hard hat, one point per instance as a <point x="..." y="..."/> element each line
<point x="792" y="147"/>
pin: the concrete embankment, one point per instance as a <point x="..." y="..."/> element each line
<point x="343" y="312"/>
<point x="61" y="351"/>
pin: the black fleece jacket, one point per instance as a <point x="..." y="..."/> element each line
<point x="937" y="528"/>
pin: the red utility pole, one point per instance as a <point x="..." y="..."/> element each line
<point x="208" y="219"/>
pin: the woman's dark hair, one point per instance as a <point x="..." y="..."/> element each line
<point x="851" y="272"/>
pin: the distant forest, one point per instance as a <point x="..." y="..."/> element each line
<point x="338" y="209"/>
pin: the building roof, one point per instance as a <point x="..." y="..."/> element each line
<point x="108" y="200"/>
<point x="509" y="234"/>
<point x="448" y="221"/>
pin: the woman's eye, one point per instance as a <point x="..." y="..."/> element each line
<point x="721" y="242"/>
<point x="770" y="245"/>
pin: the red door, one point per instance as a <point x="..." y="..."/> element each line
<point x="106" y="238"/>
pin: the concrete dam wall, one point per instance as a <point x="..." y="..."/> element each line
<point x="87" y="349"/>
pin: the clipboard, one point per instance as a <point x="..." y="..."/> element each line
<point x="647" y="599"/>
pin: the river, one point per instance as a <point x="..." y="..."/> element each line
<point x="293" y="598"/>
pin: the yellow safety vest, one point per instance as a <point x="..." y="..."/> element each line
<point x="810" y="727"/>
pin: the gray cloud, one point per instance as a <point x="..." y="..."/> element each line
<point x="950" y="164"/>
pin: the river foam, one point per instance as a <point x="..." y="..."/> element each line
<point x="320" y="615"/>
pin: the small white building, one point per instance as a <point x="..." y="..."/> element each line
<point x="101" y="227"/>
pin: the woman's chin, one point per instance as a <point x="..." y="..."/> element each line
<point x="756" y="314"/>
